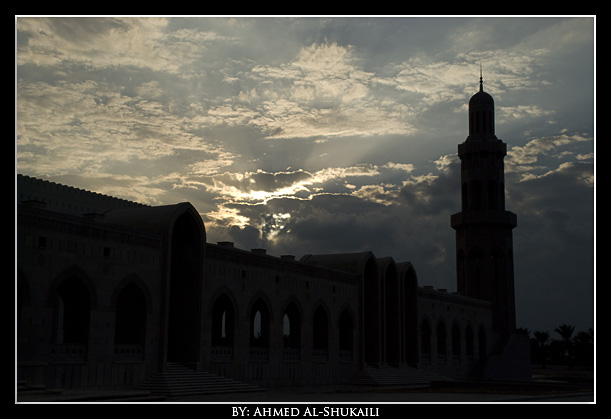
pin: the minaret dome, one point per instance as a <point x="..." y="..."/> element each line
<point x="481" y="115"/>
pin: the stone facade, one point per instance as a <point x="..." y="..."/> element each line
<point x="95" y="306"/>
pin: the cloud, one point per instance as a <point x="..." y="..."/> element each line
<point x="323" y="92"/>
<point x="554" y="247"/>
<point x="97" y="42"/>
<point x="533" y="159"/>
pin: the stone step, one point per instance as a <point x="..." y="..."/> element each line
<point x="394" y="376"/>
<point x="180" y="380"/>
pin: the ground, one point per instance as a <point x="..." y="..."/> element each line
<point x="554" y="379"/>
<point x="552" y="384"/>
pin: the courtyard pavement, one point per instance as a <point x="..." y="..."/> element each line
<point x="313" y="396"/>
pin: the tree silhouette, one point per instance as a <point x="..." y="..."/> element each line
<point x="584" y="347"/>
<point x="566" y="333"/>
<point x="542" y="338"/>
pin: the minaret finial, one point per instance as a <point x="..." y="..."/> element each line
<point x="481" y="78"/>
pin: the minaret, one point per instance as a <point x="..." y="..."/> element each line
<point x="484" y="244"/>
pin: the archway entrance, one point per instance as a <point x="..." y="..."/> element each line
<point x="185" y="288"/>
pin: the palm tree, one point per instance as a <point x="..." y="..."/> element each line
<point x="584" y="347"/>
<point x="566" y="333"/>
<point x="542" y="338"/>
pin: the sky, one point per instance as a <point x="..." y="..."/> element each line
<point x="316" y="134"/>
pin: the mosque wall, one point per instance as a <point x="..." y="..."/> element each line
<point x="76" y="267"/>
<point x="455" y="332"/>
<point x="254" y="317"/>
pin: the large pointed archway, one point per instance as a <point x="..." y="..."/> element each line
<point x="184" y="319"/>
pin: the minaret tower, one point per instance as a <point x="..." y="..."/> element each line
<point x="484" y="244"/>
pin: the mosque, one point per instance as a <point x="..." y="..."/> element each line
<point x="113" y="294"/>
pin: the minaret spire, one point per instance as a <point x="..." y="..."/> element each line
<point x="481" y="78"/>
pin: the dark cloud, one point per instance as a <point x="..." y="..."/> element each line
<point x="247" y="237"/>
<point x="554" y="248"/>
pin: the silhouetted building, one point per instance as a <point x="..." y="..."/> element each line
<point x="110" y="293"/>
<point x="484" y="244"/>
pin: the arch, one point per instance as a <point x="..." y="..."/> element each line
<point x="72" y="311"/>
<point x="183" y="234"/>
<point x="392" y="319"/>
<point x="259" y="324"/>
<point x="364" y="266"/>
<point x="131" y="313"/>
<point x="222" y="291"/>
<point x="140" y="283"/>
<point x="223" y="315"/>
<point x="186" y="244"/>
<point x="260" y="299"/>
<point x="371" y="335"/>
<point x="409" y="308"/>
<point x="70" y="272"/>
<point x="291" y="321"/>
<point x="346" y="330"/>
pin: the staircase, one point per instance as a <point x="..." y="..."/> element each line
<point x="395" y="376"/>
<point x="182" y="381"/>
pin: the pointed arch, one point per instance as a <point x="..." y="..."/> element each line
<point x="260" y="317"/>
<point x="409" y="309"/>
<point x="391" y="314"/>
<point x="371" y="335"/>
<point x="223" y="315"/>
<point x="186" y="244"/>
<point x="183" y="234"/>
<point x="73" y="271"/>
<point x="292" y="324"/>
<point x="365" y="266"/>
<point x="72" y="298"/>
<point x="131" y="310"/>
<point x="137" y="281"/>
